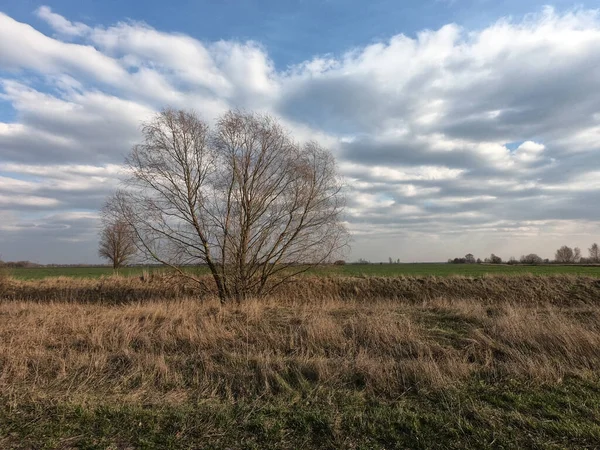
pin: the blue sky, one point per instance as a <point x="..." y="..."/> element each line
<point x="463" y="126"/>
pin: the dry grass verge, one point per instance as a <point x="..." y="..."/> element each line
<point x="526" y="289"/>
<point x="178" y="350"/>
<point x="511" y="362"/>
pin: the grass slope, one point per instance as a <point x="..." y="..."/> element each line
<point x="381" y="270"/>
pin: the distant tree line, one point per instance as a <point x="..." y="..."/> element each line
<point x="564" y="255"/>
<point x="18" y="264"/>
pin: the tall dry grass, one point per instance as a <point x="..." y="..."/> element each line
<point x="526" y="289"/>
<point x="183" y="348"/>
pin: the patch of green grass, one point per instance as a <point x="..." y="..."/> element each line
<point x="479" y="415"/>
<point x="352" y="270"/>
<point x="32" y="273"/>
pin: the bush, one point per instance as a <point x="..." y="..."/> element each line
<point x="458" y="261"/>
<point x="532" y="258"/>
<point x="495" y="259"/>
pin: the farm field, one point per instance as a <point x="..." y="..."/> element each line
<point x="381" y="270"/>
<point x="341" y="362"/>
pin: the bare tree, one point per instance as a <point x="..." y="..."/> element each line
<point x="564" y="255"/>
<point x="594" y="252"/>
<point x="244" y="199"/>
<point x="532" y="258"/>
<point x="576" y="255"/>
<point x="495" y="259"/>
<point x="117" y="242"/>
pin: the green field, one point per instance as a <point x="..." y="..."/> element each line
<point x="382" y="270"/>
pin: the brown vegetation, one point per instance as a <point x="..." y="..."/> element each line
<point x="489" y="289"/>
<point x="384" y="336"/>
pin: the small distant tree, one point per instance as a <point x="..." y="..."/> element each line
<point x="117" y="242"/>
<point x="594" y="252"/>
<point x="576" y="255"/>
<point x="478" y="260"/>
<point x="495" y="259"/>
<point x="512" y="261"/>
<point x="564" y="255"/>
<point x="470" y="259"/>
<point x="532" y="258"/>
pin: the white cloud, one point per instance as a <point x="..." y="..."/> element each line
<point x="7" y="200"/>
<point x="60" y="24"/>
<point x="529" y="151"/>
<point x="35" y="51"/>
<point x="424" y="128"/>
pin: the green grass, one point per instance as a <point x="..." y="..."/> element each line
<point x="383" y="270"/>
<point x="34" y="273"/>
<point x="511" y="415"/>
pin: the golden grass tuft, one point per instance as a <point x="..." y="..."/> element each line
<point x="183" y="348"/>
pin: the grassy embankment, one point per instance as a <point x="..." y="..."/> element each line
<point x="382" y="270"/>
<point x="500" y="362"/>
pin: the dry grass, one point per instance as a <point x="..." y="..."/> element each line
<point x="182" y="349"/>
<point x="346" y="363"/>
<point x="526" y="289"/>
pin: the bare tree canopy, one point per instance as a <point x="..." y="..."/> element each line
<point x="594" y="252"/>
<point x="495" y="259"/>
<point x="242" y="198"/>
<point x="576" y="254"/>
<point x="532" y="258"/>
<point x="117" y="241"/>
<point x="564" y="254"/>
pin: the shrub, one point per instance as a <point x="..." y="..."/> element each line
<point x="495" y="259"/>
<point x="532" y="258"/>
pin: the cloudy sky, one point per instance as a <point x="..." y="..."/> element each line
<point x="459" y="125"/>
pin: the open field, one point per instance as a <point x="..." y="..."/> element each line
<point x="382" y="270"/>
<point x="493" y="362"/>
